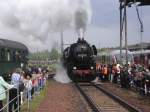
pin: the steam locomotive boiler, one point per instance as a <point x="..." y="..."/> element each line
<point x="79" y="61"/>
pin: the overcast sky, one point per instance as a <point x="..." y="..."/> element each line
<point x="36" y="22"/>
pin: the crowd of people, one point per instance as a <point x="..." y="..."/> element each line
<point x="127" y="76"/>
<point x="22" y="86"/>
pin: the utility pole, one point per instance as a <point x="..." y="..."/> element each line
<point x="120" y="32"/>
<point x="126" y="39"/>
<point x="123" y="28"/>
<point x="141" y="32"/>
<point x="141" y="42"/>
<point x="62" y="41"/>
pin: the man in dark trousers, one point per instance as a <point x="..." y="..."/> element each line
<point x="14" y="99"/>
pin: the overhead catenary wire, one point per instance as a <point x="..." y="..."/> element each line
<point x="123" y="24"/>
<point x="141" y="25"/>
<point x="139" y="18"/>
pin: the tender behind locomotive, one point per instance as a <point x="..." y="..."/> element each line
<point x="79" y="61"/>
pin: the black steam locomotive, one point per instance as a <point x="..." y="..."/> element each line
<point x="79" y="61"/>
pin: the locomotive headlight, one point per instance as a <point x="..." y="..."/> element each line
<point x="74" y="68"/>
<point x="92" y="68"/>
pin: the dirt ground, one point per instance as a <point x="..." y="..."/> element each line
<point x="62" y="98"/>
<point x="65" y="98"/>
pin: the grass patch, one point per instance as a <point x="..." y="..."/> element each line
<point x="35" y="103"/>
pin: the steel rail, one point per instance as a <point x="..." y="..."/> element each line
<point x="88" y="99"/>
<point x="118" y="99"/>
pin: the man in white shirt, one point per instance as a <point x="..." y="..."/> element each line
<point x="14" y="92"/>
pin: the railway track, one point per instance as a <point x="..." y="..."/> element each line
<point x="100" y="100"/>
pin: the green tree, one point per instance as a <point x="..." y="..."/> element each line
<point x="54" y="55"/>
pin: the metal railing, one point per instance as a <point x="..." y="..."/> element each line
<point x="21" y="95"/>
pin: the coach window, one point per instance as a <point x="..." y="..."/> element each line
<point x="19" y="55"/>
<point x="23" y="56"/>
<point x="8" y="55"/>
<point x="2" y="54"/>
<point x="14" y="55"/>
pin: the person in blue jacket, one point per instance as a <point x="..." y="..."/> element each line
<point x="3" y="87"/>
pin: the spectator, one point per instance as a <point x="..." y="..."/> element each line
<point x="147" y="82"/>
<point x="28" y="86"/>
<point x="113" y="70"/>
<point x="14" y="92"/>
<point x="117" y="73"/>
<point x="39" y="70"/>
<point x="3" y="85"/>
<point x="40" y="82"/>
<point x="105" y="73"/>
<point x="122" y="77"/>
<point x="35" y="83"/>
<point x="22" y="89"/>
<point x="98" y="69"/>
<point x="43" y="80"/>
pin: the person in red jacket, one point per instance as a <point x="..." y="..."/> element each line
<point x="98" y="69"/>
<point x="105" y="73"/>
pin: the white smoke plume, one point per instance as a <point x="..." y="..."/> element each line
<point x="61" y="74"/>
<point x="81" y="18"/>
<point x="39" y="18"/>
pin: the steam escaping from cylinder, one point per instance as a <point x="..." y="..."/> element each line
<point x="61" y="75"/>
<point x="96" y="80"/>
